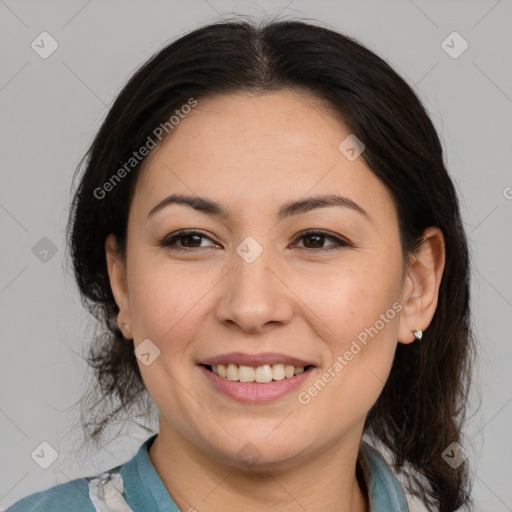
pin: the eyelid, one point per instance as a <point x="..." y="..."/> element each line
<point x="339" y="241"/>
<point x="166" y="241"/>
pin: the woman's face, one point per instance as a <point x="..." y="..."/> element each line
<point x="250" y="290"/>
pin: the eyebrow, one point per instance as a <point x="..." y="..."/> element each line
<point x="210" y="207"/>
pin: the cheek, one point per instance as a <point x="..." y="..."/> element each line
<point x="165" y="304"/>
<point x="356" y="313"/>
<point x="164" y="299"/>
<point x="350" y="297"/>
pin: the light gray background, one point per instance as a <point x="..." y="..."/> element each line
<point x="51" y="108"/>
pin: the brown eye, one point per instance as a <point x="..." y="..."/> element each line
<point x="316" y="239"/>
<point x="312" y="240"/>
<point x="185" y="240"/>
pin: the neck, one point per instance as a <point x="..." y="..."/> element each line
<point x="196" y="481"/>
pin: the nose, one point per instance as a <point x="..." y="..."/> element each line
<point x="254" y="295"/>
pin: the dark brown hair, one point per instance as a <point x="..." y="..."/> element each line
<point x="422" y="407"/>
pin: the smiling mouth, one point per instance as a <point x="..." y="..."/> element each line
<point x="260" y="374"/>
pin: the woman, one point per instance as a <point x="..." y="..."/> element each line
<point x="266" y="228"/>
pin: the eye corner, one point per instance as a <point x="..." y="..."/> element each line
<point x="339" y="241"/>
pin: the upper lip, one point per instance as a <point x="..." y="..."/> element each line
<point x="254" y="360"/>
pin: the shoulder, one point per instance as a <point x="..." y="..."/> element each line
<point x="105" y="491"/>
<point x="384" y="489"/>
<point x="73" y="495"/>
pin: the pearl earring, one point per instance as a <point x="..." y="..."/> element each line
<point x="418" y="334"/>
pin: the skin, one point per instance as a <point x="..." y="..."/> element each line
<point x="304" y="297"/>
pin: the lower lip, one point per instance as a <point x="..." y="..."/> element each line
<point x="253" y="392"/>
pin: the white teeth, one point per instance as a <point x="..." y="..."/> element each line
<point x="261" y="374"/>
<point x="278" y="372"/>
<point x="232" y="372"/>
<point x="221" y="368"/>
<point x="245" y="374"/>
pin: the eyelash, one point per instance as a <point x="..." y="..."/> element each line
<point x="169" y="241"/>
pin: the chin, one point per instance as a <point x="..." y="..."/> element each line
<point x="257" y="453"/>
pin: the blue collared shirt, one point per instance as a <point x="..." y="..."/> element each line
<point x="135" y="486"/>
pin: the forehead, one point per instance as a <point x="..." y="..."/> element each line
<point x="244" y="147"/>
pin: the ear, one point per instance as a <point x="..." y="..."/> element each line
<point x="118" y="283"/>
<point x="421" y="285"/>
